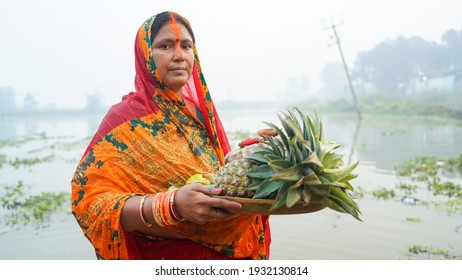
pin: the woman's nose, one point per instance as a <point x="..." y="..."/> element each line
<point x="178" y="53"/>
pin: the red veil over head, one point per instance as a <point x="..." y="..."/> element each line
<point x="148" y="84"/>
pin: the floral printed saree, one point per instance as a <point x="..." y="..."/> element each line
<point x="146" y="143"/>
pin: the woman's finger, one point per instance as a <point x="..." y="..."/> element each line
<point x="220" y="214"/>
<point x="210" y="190"/>
<point x="224" y="204"/>
<point x="195" y="202"/>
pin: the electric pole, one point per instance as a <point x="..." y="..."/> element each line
<point x="355" y="100"/>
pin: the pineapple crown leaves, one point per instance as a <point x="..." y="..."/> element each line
<point x="299" y="165"/>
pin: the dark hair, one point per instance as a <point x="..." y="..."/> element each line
<point x="166" y="17"/>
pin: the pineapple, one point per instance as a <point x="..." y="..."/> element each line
<point x="233" y="180"/>
<point x="297" y="165"/>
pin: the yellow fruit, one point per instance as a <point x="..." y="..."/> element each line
<point x="198" y="178"/>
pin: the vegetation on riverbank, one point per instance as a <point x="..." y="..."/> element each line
<point x="427" y="104"/>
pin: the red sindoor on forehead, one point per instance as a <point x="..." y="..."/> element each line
<point x="175" y="27"/>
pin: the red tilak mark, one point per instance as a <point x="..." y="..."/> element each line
<point x="176" y="28"/>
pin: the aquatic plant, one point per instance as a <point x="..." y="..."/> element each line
<point x="433" y="252"/>
<point x="24" y="209"/>
<point x="2" y="160"/>
<point x="19" y="141"/>
<point x="414" y="219"/>
<point x="383" y="193"/>
<point x="419" y="166"/>
<point x="394" y="132"/>
<point x="446" y="188"/>
<point x="18" y="162"/>
<point x="428" y="166"/>
<point x="428" y="172"/>
<point x="408" y="189"/>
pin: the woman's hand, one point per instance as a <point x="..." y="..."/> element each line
<point x="194" y="203"/>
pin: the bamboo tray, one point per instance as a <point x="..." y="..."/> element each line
<point x="262" y="206"/>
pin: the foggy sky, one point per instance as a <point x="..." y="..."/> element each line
<point x="60" y="51"/>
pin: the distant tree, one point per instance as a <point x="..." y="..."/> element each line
<point x="391" y="64"/>
<point x="29" y="102"/>
<point x="7" y="100"/>
<point x="452" y="41"/>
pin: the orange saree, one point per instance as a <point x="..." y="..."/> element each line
<point x="146" y="143"/>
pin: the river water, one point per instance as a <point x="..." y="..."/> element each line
<point x="389" y="229"/>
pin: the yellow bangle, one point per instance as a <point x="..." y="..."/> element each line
<point x="146" y="223"/>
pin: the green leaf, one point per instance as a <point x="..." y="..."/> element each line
<point x="280" y="144"/>
<point x="258" y="156"/>
<point x="260" y="149"/>
<point x="271" y="157"/>
<point x="293" y="196"/>
<point x="340" y="173"/>
<point x="305" y="149"/>
<point x="260" y="172"/>
<point x="297" y="184"/>
<point x="313" y="160"/>
<point x="326" y="148"/>
<point x="303" y="117"/>
<point x="292" y="174"/>
<point x="343" y="196"/>
<point x="280" y="199"/>
<point x="311" y="180"/>
<point x="320" y="190"/>
<point x="275" y="146"/>
<point x="316" y="198"/>
<point x="332" y="205"/>
<point x="287" y="128"/>
<point x="350" y="210"/>
<point x="306" y="195"/>
<point x="298" y="154"/>
<point x="280" y="164"/>
<point x="267" y="187"/>
<point x="256" y="184"/>
<point x="332" y="161"/>
<point x="347" y="178"/>
<point x="282" y="135"/>
<point x="324" y="180"/>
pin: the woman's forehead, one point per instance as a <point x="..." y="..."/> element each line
<point x="173" y="31"/>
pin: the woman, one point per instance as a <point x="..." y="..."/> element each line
<point x="156" y="137"/>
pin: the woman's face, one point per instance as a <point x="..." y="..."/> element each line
<point x="173" y="54"/>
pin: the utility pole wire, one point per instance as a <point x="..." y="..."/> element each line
<point x="337" y="41"/>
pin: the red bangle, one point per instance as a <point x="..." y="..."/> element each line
<point x="163" y="207"/>
<point x="175" y="214"/>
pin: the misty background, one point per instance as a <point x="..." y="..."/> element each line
<point x="63" y="63"/>
<point x="79" y="54"/>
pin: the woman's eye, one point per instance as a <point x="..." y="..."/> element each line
<point x="165" y="46"/>
<point x="187" y="47"/>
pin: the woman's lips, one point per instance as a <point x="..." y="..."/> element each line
<point x="178" y="70"/>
